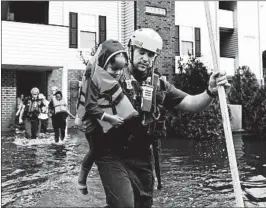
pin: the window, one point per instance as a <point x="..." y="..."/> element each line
<point x="87" y="39"/>
<point x="87" y="28"/>
<point x="189" y="39"/>
<point x="187" y="48"/>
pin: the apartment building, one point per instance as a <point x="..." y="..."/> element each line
<point x="237" y="28"/>
<point x="41" y="41"/>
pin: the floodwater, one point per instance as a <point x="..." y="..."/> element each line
<point x="194" y="173"/>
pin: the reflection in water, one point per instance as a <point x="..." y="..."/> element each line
<point x="194" y="173"/>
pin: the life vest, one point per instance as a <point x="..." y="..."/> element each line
<point x="33" y="106"/>
<point x="32" y="109"/>
<point x="44" y="110"/>
<point x="59" y="105"/>
<point x="111" y="99"/>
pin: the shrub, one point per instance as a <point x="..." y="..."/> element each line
<point x="246" y="91"/>
<point x="193" y="79"/>
<point x="244" y="86"/>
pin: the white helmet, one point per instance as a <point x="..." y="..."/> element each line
<point x="148" y="39"/>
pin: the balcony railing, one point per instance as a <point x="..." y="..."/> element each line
<point x="226" y="19"/>
<point x="227" y="65"/>
<point x="34" y="44"/>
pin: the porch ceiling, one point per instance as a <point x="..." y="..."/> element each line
<point x="29" y="67"/>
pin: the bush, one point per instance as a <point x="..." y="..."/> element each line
<point x="244" y="86"/>
<point x="246" y="91"/>
<point x="193" y="79"/>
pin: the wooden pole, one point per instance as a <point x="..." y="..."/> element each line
<point x="225" y="115"/>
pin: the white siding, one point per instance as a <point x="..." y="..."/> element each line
<point x="56" y="12"/>
<point x="33" y="44"/>
<point x="127" y="20"/>
<point x="94" y="9"/>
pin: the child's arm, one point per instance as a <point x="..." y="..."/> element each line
<point x="91" y="102"/>
<point x="114" y="120"/>
<point x="70" y="114"/>
<point x="92" y="108"/>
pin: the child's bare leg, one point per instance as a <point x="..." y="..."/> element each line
<point x="84" y="171"/>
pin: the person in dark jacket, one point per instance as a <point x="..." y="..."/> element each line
<point x="29" y="113"/>
<point x="123" y="155"/>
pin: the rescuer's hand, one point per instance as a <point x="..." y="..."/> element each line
<point x="218" y="79"/>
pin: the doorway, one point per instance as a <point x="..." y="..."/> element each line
<point x="26" y="80"/>
<point x="30" y="11"/>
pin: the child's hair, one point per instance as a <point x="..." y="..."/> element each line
<point x="59" y="93"/>
<point x="112" y="59"/>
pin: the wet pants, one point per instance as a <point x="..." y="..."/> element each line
<point x="31" y="127"/>
<point x="43" y="124"/>
<point x="127" y="182"/>
<point x="59" y="125"/>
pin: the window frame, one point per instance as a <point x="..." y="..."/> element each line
<point x="79" y="45"/>
<point x="193" y="40"/>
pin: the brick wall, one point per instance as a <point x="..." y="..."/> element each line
<point x="165" y="26"/>
<point x="8" y="99"/>
<point x="54" y="78"/>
